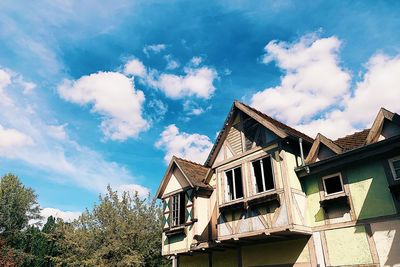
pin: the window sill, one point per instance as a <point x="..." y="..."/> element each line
<point x="175" y="230"/>
<point x="336" y="199"/>
<point x="263" y="198"/>
<point x="233" y="205"/>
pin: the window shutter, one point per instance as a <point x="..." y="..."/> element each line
<point x="189" y="196"/>
<point x="166" y="213"/>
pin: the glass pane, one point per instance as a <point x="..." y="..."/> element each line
<point x="268" y="176"/>
<point x="258" y="176"/>
<point x="333" y="185"/>
<point x="397" y="174"/>
<point x="238" y="182"/>
<point x="229" y="181"/>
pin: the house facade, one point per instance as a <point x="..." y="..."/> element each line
<point x="269" y="195"/>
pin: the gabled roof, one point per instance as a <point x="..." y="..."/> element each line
<point x="376" y="128"/>
<point x="277" y="127"/>
<point x="321" y="139"/>
<point x="355" y="140"/>
<point x="194" y="173"/>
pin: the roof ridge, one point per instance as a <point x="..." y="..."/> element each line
<point x="279" y="122"/>
<point x="189" y="161"/>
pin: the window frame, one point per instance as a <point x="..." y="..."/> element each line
<point x="226" y="186"/>
<point x="393" y="170"/>
<point x="330" y="176"/>
<point x="178" y="211"/>
<point x="253" y="176"/>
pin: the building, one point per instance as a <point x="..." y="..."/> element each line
<point x="269" y="195"/>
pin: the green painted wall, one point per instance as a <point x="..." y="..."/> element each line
<point x="369" y="190"/>
<point x="197" y="260"/>
<point x="348" y="246"/>
<point x="285" y="252"/>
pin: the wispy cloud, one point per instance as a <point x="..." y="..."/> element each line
<point x="154" y="48"/>
<point x="49" y="148"/>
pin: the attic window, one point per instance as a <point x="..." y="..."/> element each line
<point x="234" y="184"/>
<point x="395" y="166"/>
<point x="333" y="184"/>
<point x="263" y="175"/>
<point x="178" y="209"/>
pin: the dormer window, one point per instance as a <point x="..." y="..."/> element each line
<point x="263" y="176"/>
<point x="234" y="184"/>
<point x="395" y="167"/>
<point x="178" y="209"/>
<point x="333" y="184"/>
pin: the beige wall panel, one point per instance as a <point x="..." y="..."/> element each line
<point x="197" y="260"/>
<point x="387" y="241"/>
<point x="176" y="182"/>
<point x="291" y="165"/>
<point x="318" y="249"/>
<point x="348" y="246"/>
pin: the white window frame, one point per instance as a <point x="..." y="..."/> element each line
<point x="175" y="221"/>
<point x="392" y="167"/>
<point x="262" y="174"/>
<point x="330" y="176"/>
<point x="234" y="185"/>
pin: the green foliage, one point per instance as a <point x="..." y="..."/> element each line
<point x="119" y="231"/>
<point x="18" y="205"/>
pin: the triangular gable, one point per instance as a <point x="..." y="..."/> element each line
<point x="386" y="124"/>
<point x="268" y="123"/>
<point x="320" y="144"/>
<point x="168" y="174"/>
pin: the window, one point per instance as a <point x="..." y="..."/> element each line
<point x="234" y="185"/>
<point x="263" y="176"/>
<point x="395" y="166"/>
<point x="178" y="209"/>
<point x="333" y="184"/>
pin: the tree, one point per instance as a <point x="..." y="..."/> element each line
<point x="119" y="231"/>
<point x="18" y="205"/>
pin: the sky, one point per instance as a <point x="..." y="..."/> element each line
<point x="104" y="93"/>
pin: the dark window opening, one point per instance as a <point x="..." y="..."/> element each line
<point x="333" y="185"/>
<point x="396" y="168"/>
<point x="178" y="209"/>
<point x="234" y="184"/>
<point x="263" y="175"/>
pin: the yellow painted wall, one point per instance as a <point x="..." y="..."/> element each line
<point x="224" y="259"/>
<point x="197" y="260"/>
<point x="348" y="246"/>
<point x="315" y="214"/>
<point x="291" y="164"/>
<point x="285" y="252"/>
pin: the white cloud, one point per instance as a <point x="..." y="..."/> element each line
<point x="158" y="108"/>
<point x="379" y="87"/>
<point x="113" y="96"/>
<point x="11" y="140"/>
<point x="196" y="82"/>
<point x="132" y="189"/>
<point x="66" y="216"/>
<point x="192" y="108"/>
<point x="155" y="48"/>
<point x="171" y="62"/>
<point x="32" y="141"/>
<point x="195" y="61"/>
<point x="315" y="93"/>
<point x="193" y="147"/>
<point x="313" y="80"/>
<point x="135" y="67"/>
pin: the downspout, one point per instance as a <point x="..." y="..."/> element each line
<point x="303" y="164"/>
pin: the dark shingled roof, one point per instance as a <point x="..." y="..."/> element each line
<point x="353" y="141"/>
<point x="195" y="172"/>
<point x="281" y="125"/>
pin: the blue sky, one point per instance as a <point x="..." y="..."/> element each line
<point x="95" y="94"/>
